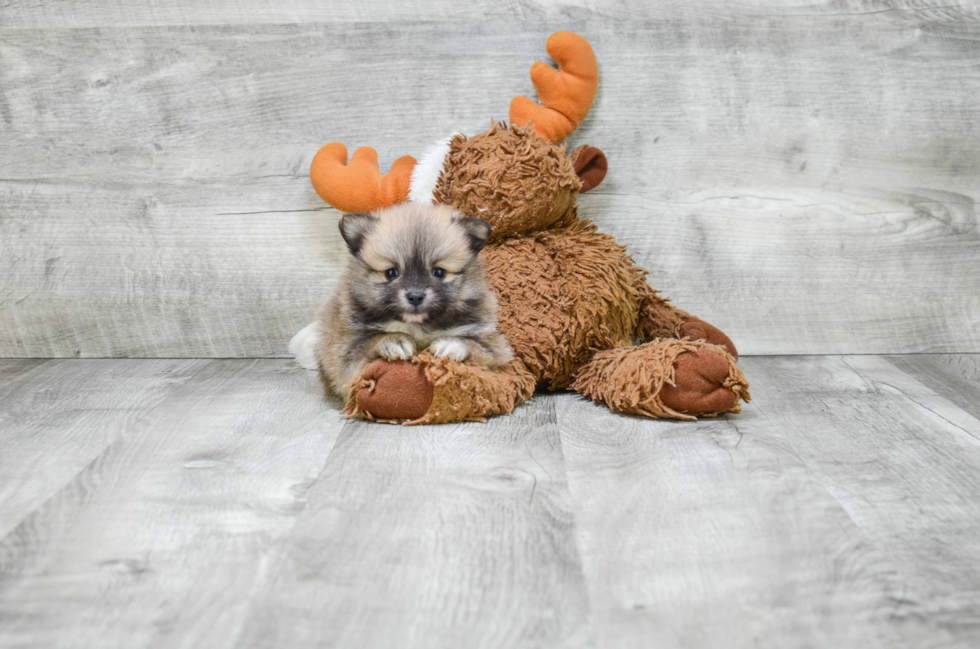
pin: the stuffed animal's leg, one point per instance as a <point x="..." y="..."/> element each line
<point x="658" y="318"/>
<point x="434" y="390"/>
<point x="665" y="378"/>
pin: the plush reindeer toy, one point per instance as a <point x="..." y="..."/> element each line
<point x="576" y="310"/>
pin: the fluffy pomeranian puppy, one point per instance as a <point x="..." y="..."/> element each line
<point x="414" y="282"/>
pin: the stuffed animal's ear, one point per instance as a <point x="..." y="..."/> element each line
<point x="353" y="228"/>
<point x="477" y="230"/>
<point x="591" y="165"/>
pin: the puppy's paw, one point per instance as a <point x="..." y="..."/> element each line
<point x="396" y="349"/>
<point x="451" y="348"/>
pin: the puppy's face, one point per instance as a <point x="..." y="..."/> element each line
<point x="415" y="263"/>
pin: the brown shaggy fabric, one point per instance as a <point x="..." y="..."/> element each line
<point x="563" y="295"/>
<point x="433" y="390"/>
<point x="658" y="317"/>
<point x="629" y="379"/>
<point x="466" y="392"/>
<point x="511" y="179"/>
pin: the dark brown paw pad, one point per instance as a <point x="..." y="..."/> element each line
<point x="700" y="381"/>
<point x="399" y="391"/>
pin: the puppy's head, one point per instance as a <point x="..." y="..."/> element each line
<point x="415" y="263"/>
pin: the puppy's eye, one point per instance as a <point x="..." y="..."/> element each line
<point x="438" y="273"/>
<point x="391" y="274"/>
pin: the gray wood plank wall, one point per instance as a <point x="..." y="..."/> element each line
<point x="802" y="174"/>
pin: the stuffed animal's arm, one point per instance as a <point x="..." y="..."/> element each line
<point x="436" y="390"/>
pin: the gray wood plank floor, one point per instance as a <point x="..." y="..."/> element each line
<point x="227" y="504"/>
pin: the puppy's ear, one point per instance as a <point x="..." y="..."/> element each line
<point x="477" y="230"/>
<point x="353" y="228"/>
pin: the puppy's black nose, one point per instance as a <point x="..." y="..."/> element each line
<point x="415" y="298"/>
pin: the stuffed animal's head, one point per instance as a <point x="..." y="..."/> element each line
<point x="516" y="181"/>
<point x="517" y="178"/>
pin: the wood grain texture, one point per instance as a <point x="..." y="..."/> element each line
<point x="906" y="472"/>
<point x="64" y="13"/>
<point x="807" y="182"/>
<point x="839" y="509"/>
<point x="441" y="536"/>
<point x="162" y="539"/>
<point x="953" y="376"/>
<point x="794" y="271"/>
<point x="55" y="418"/>
<point x="226" y="504"/>
<point x="99" y="13"/>
<point x="715" y="535"/>
<point x="159" y="272"/>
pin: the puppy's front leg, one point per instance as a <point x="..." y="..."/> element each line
<point x="393" y="347"/>
<point x="490" y="351"/>
<point x="456" y="349"/>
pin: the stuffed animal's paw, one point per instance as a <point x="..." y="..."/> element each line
<point x="400" y="391"/>
<point x="700" y="384"/>
<point x="452" y="348"/>
<point x="396" y="349"/>
<point x="700" y="330"/>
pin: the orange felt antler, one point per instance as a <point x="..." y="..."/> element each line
<point x="566" y="93"/>
<point x="359" y="186"/>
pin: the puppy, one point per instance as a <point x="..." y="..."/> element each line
<point x="415" y="282"/>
